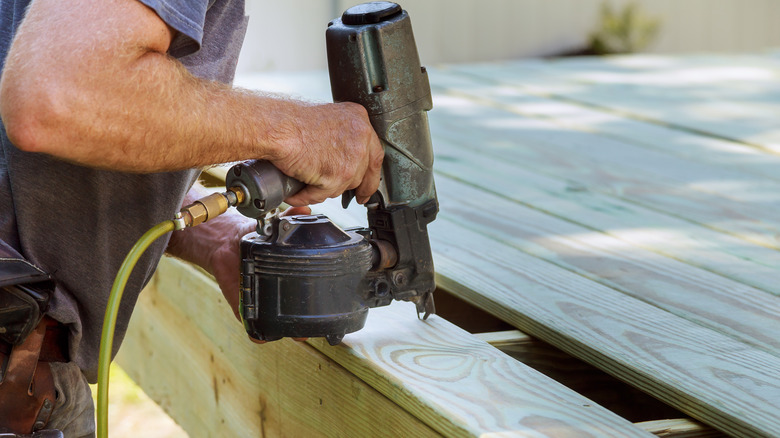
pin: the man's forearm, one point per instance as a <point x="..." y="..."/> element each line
<point x="132" y="108"/>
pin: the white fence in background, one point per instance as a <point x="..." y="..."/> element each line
<point x="289" y="34"/>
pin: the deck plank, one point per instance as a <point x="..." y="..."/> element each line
<point x="634" y="224"/>
<point x="732" y="155"/>
<point x="733" y="97"/>
<point x="435" y="377"/>
<point x="186" y="350"/>
<point x="451" y="379"/>
<point x="679" y="362"/>
<point x="727" y="306"/>
<point x="721" y="199"/>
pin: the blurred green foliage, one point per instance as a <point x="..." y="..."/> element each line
<point x="626" y="30"/>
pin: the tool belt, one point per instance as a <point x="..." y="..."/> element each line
<point x="28" y="343"/>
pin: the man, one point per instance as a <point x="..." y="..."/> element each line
<point x="108" y="108"/>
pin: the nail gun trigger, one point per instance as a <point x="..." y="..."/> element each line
<point x="347" y="197"/>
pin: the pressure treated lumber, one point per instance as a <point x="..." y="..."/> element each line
<point x="689" y="367"/>
<point x="679" y="428"/>
<point x="490" y="90"/>
<point x="705" y="374"/>
<point x="580" y="203"/>
<point x="446" y="385"/>
<point x="719" y="199"/>
<point x="188" y="352"/>
<point x="729" y="307"/>
<point x="502" y="338"/>
<point x="515" y="340"/>
<point x="732" y="97"/>
<point x="618" y="397"/>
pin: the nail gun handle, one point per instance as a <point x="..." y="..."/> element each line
<point x="265" y="186"/>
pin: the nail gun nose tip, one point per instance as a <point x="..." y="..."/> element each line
<point x="334" y="339"/>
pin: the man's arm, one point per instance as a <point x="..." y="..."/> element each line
<point x="90" y="82"/>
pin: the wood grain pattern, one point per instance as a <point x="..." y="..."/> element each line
<point x="490" y="89"/>
<point x="731" y="97"/>
<point x="680" y="428"/>
<point x="443" y="379"/>
<point x="636" y="225"/>
<point x="187" y="351"/>
<point x="685" y="365"/>
<point x="719" y="199"/>
<point x="681" y="363"/>
<point x="617" y="396"/>
<point x="463" y="386"/>
<point x="709" y="299"/>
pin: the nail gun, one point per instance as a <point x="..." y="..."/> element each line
<point x="303" y="276"/>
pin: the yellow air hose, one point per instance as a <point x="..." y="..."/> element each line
<point x="109" y="320"/>
<point x="194" y="214"/>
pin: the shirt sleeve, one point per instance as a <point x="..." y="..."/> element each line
<point x="187" y="17"/>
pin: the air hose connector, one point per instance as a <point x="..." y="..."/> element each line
<point x="208" y="208"/>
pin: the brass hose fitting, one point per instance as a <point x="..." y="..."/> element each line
<point x="208" y="208"/>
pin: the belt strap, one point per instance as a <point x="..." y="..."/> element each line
<point x="55" y="343"/>
<point x="27" y="393"/>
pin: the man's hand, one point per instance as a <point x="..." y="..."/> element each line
<point x="225" y="260"/>
<point x="214" y="245"/>
<point x="337" y="150"/>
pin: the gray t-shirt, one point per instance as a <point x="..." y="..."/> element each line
<point x="78" y="223"/>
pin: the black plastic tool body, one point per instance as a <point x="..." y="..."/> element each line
<point x="309" y="278"/>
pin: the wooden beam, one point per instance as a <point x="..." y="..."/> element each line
<point x="715" y="106"/>
<point x="506" y="337"/>
<point x="704" y="297"/>
<point x="187" y="351"/>
<point x="585" y="379"/>
<point x="215" y="175"/>
<point x="680" y="428"/>
<point x="460" y="385"/>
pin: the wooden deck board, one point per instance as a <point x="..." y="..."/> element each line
<point x="283" y="389"/>
<point x="688" y="190"/>
<point x="515" y="98"/>
<point x="681" y="363"/>
<point x="724" y="305"/>
<point x="636" y="225"/>
<point x="735" y="97"/>
<point x="452" y="379"/>
<point x="188" y="352"/>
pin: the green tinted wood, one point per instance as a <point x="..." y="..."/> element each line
<point x="186" y="350"/>
<point x="189" y="353"/>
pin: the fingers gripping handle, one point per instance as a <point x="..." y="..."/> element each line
<point x="265" y="186"/>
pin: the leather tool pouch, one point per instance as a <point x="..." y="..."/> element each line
<point x="24" y="295"/>
<point x="27" y="393"/>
